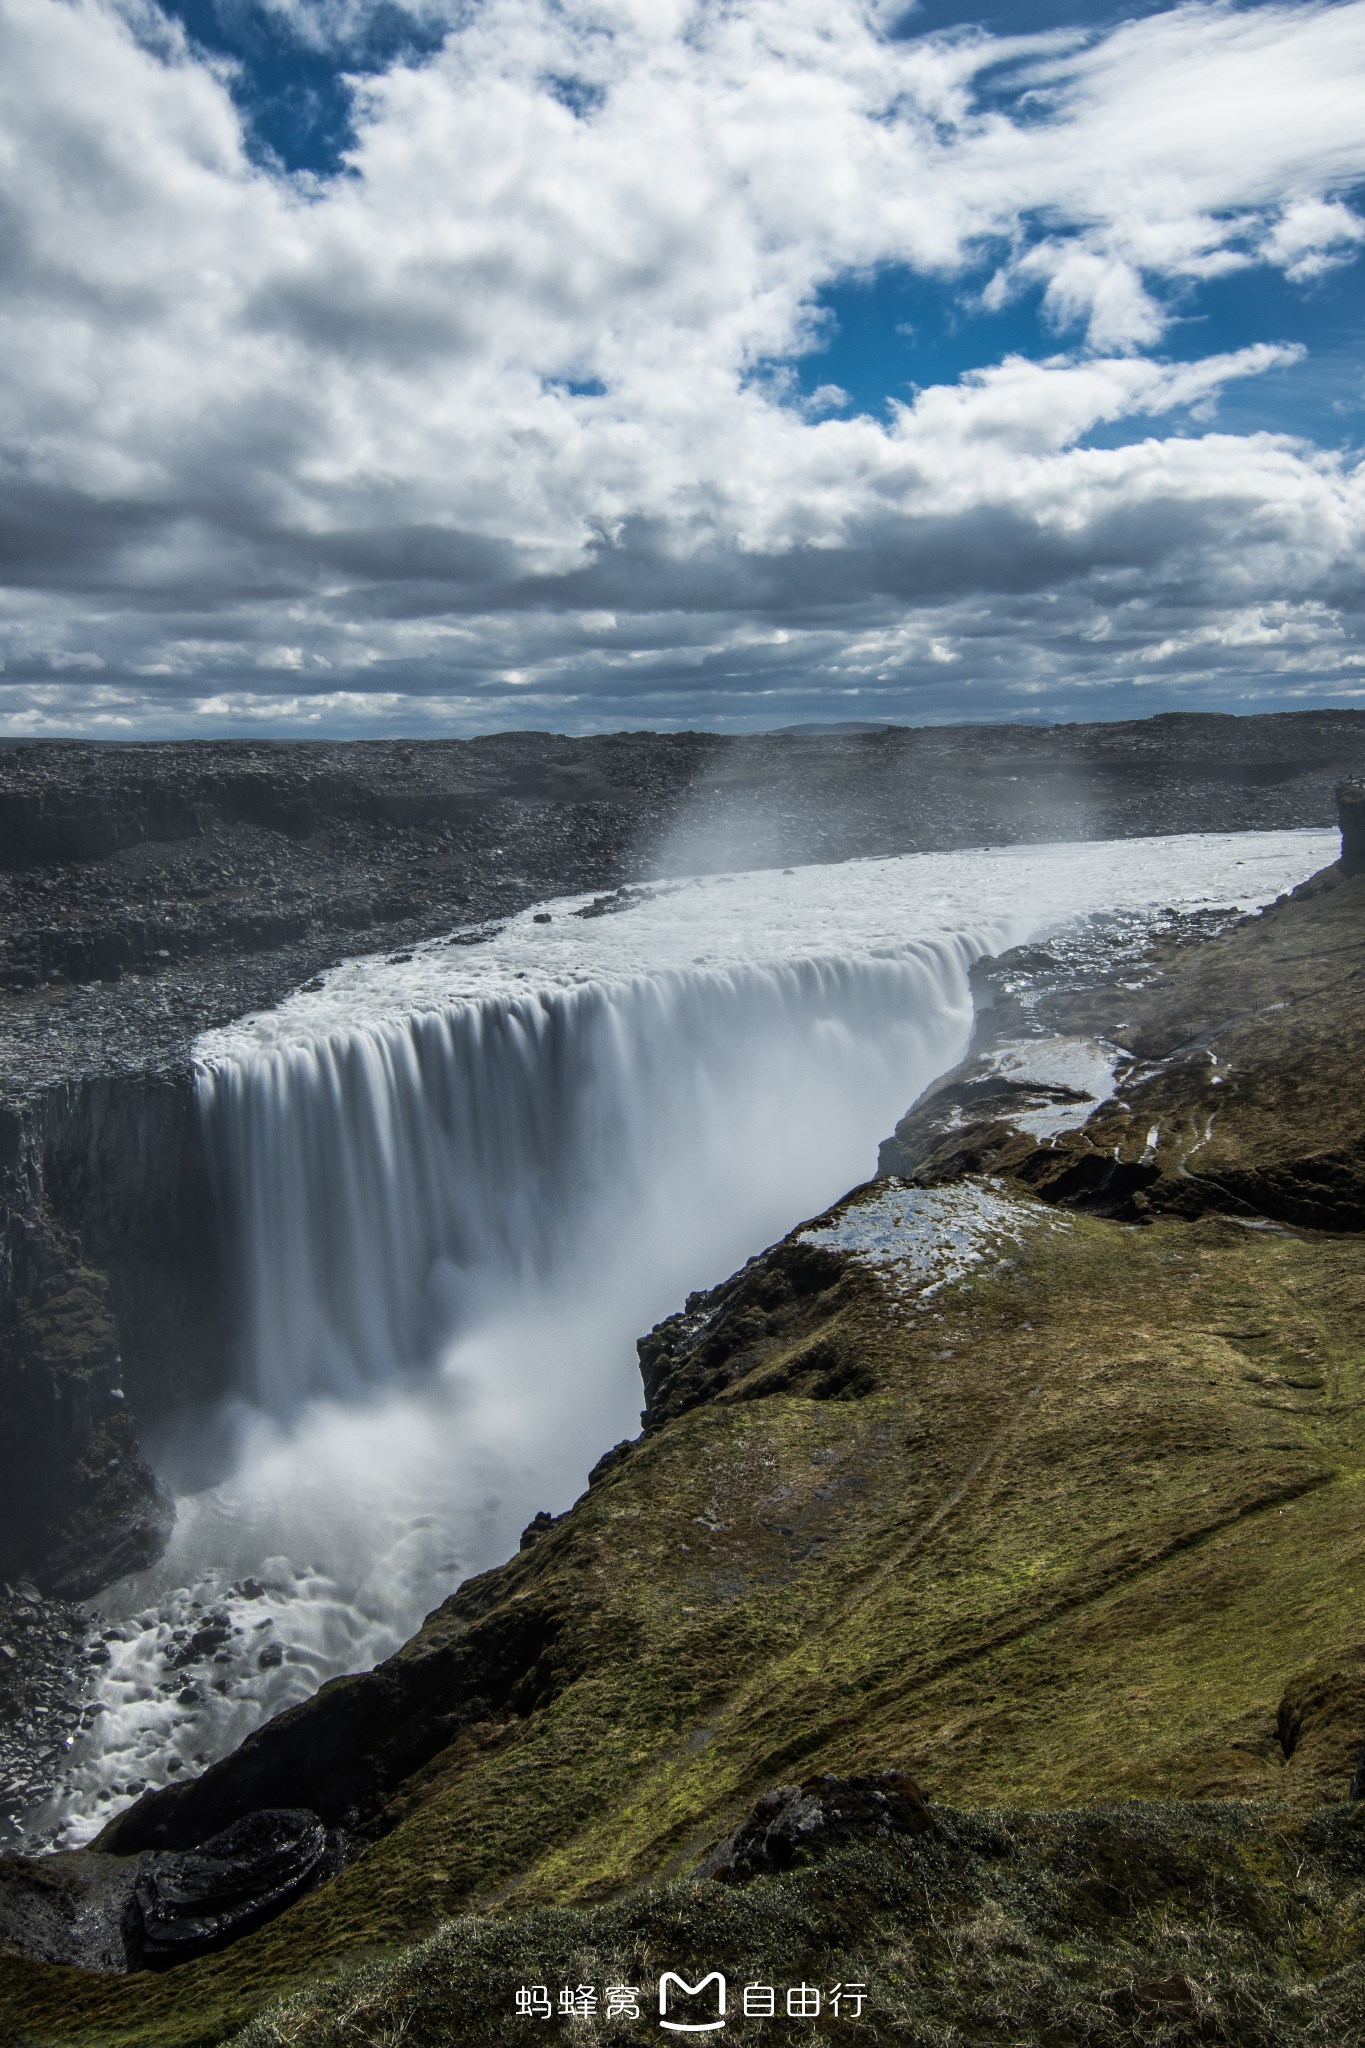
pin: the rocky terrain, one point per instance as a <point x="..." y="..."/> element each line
<point x="1029" y="1474"/>
<point x="215" y="876"/>
<point x="150" y="892"/>
<point x="45" y="1649"/>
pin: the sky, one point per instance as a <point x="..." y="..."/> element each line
<point x="461" y="365"/>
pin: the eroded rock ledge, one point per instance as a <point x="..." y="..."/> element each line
<point x="1234" y="1088"/>
<point x="120" y="1913"/>
<point x="150" y="892"/>
<point x="1068" y="1517"/>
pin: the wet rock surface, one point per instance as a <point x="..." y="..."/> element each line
<point x="45" y="1652"/>
<point x="151" y="1911"/>
<point x="189" y="1904"/>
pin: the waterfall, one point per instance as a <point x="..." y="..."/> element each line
<point x="388" y="1187"/>
<point x="457" y="1184"/>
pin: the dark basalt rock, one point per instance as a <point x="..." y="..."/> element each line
<point x="67" y="1908"/>
<point x="45" y="1653"/>
<point x="1351" y="816"/>
<point x="108" y="1291"/>
<point x="609" y="1461"/>
<point x="723" y="1335"/>
<point x="190" y="1903"/>
<point x="149" y="1911"/>
<point x="797" y="1824"/>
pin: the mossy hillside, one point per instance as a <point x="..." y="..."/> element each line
<point x="1089" y="1529"/>
<point x="1091" y="1928"/>
<point x="730" y="1648"/>
<point x="1101" y="1511"/>
<point x="1108" y="1927"/>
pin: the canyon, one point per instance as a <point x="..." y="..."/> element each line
<point x="964" y="1522"/>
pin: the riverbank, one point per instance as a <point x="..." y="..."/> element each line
<point x="1031" y="1471"/>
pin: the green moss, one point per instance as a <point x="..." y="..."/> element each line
<point x="1112" y="1926"/>
<point x="1072" y="1549"/>
<point x="1091" y="1519"/>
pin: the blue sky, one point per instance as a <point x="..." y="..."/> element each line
<point x="888" y="331"/>
<point x="481" y="363"/>
<point x="894" y="331"/>
<point x="293" y="85"/>
<point x="293" y="91"/>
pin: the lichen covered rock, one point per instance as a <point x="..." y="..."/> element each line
<point x="797" y="1824"/>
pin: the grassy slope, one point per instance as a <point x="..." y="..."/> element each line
<point x="1096" y="1926"/>
<point x="1096" y="1525"/>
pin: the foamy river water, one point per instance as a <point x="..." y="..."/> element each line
<point x="457" y="1184"/>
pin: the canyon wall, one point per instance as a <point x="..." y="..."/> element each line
<point x="150" y="892"/>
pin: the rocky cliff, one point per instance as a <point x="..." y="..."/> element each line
<point x="93" y="1209"/>
<point x="1030" y="1471"/>
<point x="150" y="892"/>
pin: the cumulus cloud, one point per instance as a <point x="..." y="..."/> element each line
<point x="487" y="427"/>
<point x="1312" y="236"/>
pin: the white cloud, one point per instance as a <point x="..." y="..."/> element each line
<point x="288" y="427"/>
<point x="1312" y="236"/>
<point x="1178" y="147"/>
<point x="1309" y="628"/>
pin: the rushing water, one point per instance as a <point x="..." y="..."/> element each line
<point x="456" y="1184"/>
<point x="393" y="1187"/>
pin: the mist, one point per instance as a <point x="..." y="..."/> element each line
<point x="457" y="1185"/>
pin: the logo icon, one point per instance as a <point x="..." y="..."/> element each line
<point x="671" y="1982"/>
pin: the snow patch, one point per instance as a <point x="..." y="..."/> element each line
<point x="919" y="1240"/>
